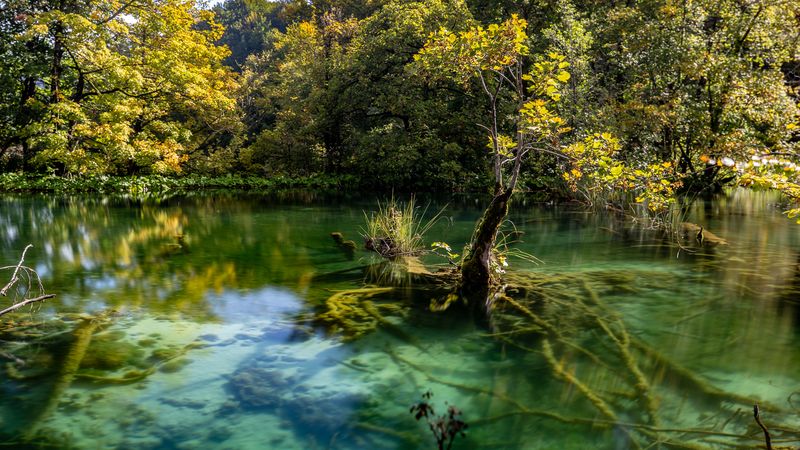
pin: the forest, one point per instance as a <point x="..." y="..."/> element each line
<point x="188" y="221"/>
<point x="706" y="90"/>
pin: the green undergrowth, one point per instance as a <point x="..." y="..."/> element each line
<point x="157" y="185"/>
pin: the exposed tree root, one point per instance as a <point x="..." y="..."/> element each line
<point x="559" y="308"/>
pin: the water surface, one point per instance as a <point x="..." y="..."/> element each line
<point x="196" y="322"/>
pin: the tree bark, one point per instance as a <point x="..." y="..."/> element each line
<point x="476" y="272"/>
<point x="57" y="66"/>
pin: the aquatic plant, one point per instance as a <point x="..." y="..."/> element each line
<point x="503" y="250"/>
<point x="397" y="229"/>
<point x="446" y="427"/>
<point x="355" y="312"/>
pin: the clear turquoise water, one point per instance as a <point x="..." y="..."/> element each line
<point x="214" y="341"/>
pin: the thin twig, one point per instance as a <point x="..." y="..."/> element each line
<point x="11" y="357"/>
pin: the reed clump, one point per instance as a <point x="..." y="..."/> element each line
<point x="397" y="229"/>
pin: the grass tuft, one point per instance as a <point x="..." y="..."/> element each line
<point x="397" y="229"/>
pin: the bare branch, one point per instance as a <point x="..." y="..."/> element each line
<point x="491" y="132"/>
<point x="553" y="152"/>
<point x="28" y="277"/>
<point x="503" y="77"/>
<point x="116" y="13"/>
<point x="26" y="302"/>
<point x="14" y="277"/>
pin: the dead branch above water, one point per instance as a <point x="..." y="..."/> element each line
<point x="34" y="283"/>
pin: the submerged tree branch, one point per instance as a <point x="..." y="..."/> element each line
<point x="757" y="416"/>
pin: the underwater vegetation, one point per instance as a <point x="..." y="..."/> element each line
<point x="618" y="341"/>
<point x="563" y="319"/>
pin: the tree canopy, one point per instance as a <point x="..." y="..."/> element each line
<point x="116" y="87"/>
<point x="677" y="96"/>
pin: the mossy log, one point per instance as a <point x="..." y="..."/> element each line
<point x="345" y="311"/>
<point x="69" y="368"/>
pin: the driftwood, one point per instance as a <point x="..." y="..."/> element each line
<point x="701" y="236"/>
<point x="26" y="302"/>
<point x="31" y="276"/>
<point x="72" y="362"/>
<point x="14" y="276"/>
<point x="767" y="437"/>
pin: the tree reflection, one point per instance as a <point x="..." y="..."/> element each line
<point x="162" y="257"/>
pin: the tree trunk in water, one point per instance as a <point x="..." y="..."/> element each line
<point x="476" y="275"/>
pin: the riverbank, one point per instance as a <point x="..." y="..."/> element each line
<point x="157" y="185"/>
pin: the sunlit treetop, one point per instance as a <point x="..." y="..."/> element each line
<point x="463" y="54"/>
<point x="136" y="84"/>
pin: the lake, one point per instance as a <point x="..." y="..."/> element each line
<point x="236" y="322"/>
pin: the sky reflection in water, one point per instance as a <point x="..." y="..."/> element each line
<point x="216" y="297"/>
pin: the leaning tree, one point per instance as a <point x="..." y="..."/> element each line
<point x="521" y="90"/>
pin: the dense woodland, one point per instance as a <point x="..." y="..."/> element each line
<point x="628" y="106"/>
<point x="652" y="95"/>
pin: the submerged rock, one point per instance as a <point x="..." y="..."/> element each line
<point x="228" y="408"/>
<point x="294" y="389"/>
<point x="164" y="354"/>
<point x="246" y="337"/>
<point x="209" y="337"/>
<point x="256" y="387"/>
<point x="147" y="342"/>
<point x="324" y="414"/>
<point x="219" y="434"/>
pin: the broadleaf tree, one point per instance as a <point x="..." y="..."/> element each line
<point x="124" y="87"/>
<point x="521" y="91"/>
